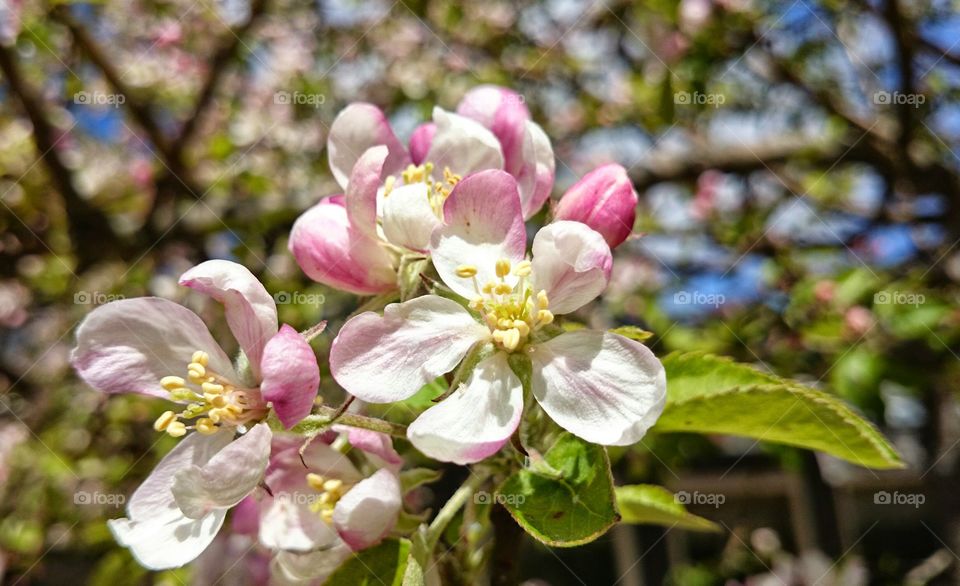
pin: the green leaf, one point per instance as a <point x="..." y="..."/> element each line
<point x="408" y="276"/>
<point x="382" y="565"/>
<point x="632" y="332"/>
<point x="414" y="477"/>
<point x="708" y="394"/>
<point x="574" y="508"/>
<point x="654" y="505"/>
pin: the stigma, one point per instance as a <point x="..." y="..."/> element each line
<point x="331" y="491"/>
<point x="212" y="400"/>
<point x="511" y="311"/>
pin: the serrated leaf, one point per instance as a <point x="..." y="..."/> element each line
<point x="654" y="505"/>
<point x="709" y="394"/>
<point x="574" y="508"/>
<point x="381" y="565"/>
<point x="632" y="332"/>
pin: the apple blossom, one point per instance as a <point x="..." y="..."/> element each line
<point x="600" y="386"/>
<point x="603" y="199"/>
<point x="136" y="346"/>
<point x="394" y="197"/>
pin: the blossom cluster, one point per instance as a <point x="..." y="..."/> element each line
<point x="439" y="226"/>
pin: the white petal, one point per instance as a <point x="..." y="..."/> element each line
<point x="477" y="420"/>
<point x="602" y="387"/>
<point x="382" y="359"/>
<point x="536" y="174"/>
<point x="227" y="477"/>
<point x="463" y="145"/>
<point x="310" y="568"/>
<point x="168" y="540"/>
<point x="356" y="128"/>
<point x="408" y="218"/>
<point x="369" y="510"/>
<point x="571" y="263"/>
<point x="127" y="346"/>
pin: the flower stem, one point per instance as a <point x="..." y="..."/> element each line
<point x="325" y="416"/>
<point x="452" y="506"/>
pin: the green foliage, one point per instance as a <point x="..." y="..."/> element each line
<point x="385" y="564"/>
<point x="655" y="505"/>
<point x="567" y="501"/>
<point x="708" y="394"/>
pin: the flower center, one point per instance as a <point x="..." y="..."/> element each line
<point x="512" y="312"/>
<point x="331" y="490"/>
<point x="439" y="190"/>
<point x="212" y="400"/>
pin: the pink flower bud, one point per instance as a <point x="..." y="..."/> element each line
<point x="420" y="142"/>
<point x="603" y="199"/>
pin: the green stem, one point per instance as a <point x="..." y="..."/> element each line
<point x="452" y="506"/>
<point x="325" y="416"/>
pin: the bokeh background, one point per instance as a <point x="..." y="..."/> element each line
<point x="800" y="210"/>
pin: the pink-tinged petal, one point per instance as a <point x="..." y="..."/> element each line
<point x="157" y="532"/>
<point x="227" y="478"/>
<point x="408" y="217"/>
<point x="331" y="252"/>
<point x="382" y="359"/>
<point x="366" y="179"/>
<point x="571" y="263"/>
<point x="300" y="569"/>
<point x="420" y="142"/>
<point x="537" y="171"/>
<point x="603" y="199"/>
<point x="250" y="311"/>
<point x="291" y="376"/>
<point x="127" y="346"/>
<point x="378" y="446"/>
<point x="369" y="510"/>
<point x="483" y="223"/>
<point x="286" y="520"/>
<point x="245" y="517"/>
<point x="504" y="112"/>
<point x="463" y="145"/>
<point x="602" y="387"/>
<point x="356" y="128"/>
<point x="476" y="420"/>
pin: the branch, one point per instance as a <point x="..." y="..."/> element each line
<point x="326" y="416"/>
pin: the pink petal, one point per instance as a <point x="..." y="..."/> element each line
<point x="504" y="112"/>
<point x="382" y="359"/>
<point x="536" y="174"/>
<point x="376" y="445"/>
<point x="250" y="311"/>
<point x="571" y="263"/>
<point x="356" y="128"/>
<point x="477" y="420"/>
<point x="463" y="145"/>
<point x="369" y="510"/>
<point x="331" y="252"/>
<point x="226" y="478"/>
<point x="366" y="179"/>
<point x="245" y="517"/>
<point x="290" y="376"/>
<point x="602" y="387"/>
<point x="127" y="346"/>
<point x="420" y="142"/>
<point x="603" y="199"/>
<point x="483" y="223"/>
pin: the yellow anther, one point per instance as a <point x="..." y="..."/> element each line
<point x="523" y="268"/>
<point x="544" y="317"/>
<point x="476" y="303"/>
<point x="164" y="421"/>
<point x="498" y="336"/>
<point x="333" y="485"/>
<point x="542" y="300"/>
<point x="491" y="319"/>
<point x="211" y="388"/>
<point x="523" y="327"/>
<point x="466" y="271"/>
<point x="206" y="426"/>
<point x="200" y="357"/>
<point x="315" y="481"/>
<point x="504" y="323"/>
<point x="172" y="383"/>
<point x="502" y="289"/>
<point x="511" y="339"/>
<point x="214" y="399"/>
<point x="503" y="267"/>
<point x="176" y="429"/>
<point x="215" y="415"/>
<point x="196" y="372"/>
<point x="327" y="515"/>
<point x="489" y="287"/>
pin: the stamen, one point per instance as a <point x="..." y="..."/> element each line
<point x="523" y="268"/>
<point x="206" y="426"/>
<point x="172" y="383"/>
<point x="544" y="317"/>
<point x="466" y="271"/>
<point x="503" y="267"/>
<point x="164" y="421"/>
<point x="176" y="429"/>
